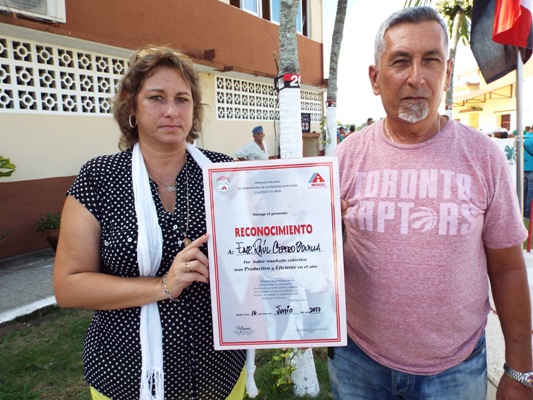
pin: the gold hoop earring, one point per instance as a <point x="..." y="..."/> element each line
<point x="132" y="126"/>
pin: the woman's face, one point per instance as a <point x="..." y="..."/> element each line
<point x="164" y="108"/>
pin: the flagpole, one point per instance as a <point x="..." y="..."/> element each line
<point x="519" y="139"/>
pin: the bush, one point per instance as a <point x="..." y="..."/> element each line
<point x="49" y="222"/>
<point x="6" y="167"/>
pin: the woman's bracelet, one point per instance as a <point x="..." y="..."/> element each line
<point x="165" y="288"/>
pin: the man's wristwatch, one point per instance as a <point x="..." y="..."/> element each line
<point x="525" y="378"/>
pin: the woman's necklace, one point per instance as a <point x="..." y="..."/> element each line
<point x="170" y="188"/>
<point x="186" y="240"/>
<point x="173" y="188"/>
<point x="393" y="141"/>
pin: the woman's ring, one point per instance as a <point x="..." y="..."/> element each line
<point x="188" y="266"/>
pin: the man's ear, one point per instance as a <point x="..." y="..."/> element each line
<point x="373" y="76"/>
<point x="449" y="70"/>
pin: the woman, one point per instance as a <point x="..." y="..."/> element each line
<point x="133" y="246"/>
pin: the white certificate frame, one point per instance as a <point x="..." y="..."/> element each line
<point x="275" y="236"/>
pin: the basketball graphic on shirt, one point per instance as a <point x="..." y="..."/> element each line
<point x="423" y="219"/>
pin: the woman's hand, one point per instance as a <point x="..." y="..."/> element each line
<point x="190" y="265"/>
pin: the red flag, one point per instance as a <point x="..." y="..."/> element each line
<point x="496" y="59"/>
<point x="512" y="22"/>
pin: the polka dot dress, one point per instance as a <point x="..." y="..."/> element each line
<point x="112" y="351"/>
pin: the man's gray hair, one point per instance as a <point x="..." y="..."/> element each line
<point x="412" y="15"/>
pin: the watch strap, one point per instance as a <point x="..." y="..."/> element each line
<point x="525" y="378"/>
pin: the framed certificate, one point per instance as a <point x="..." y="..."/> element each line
<point x="275" y="253"/>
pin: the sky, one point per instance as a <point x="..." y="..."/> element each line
<point x="355" y="100"/>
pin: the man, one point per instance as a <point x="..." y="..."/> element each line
<point x="341" y="134"/>
<point x="429" y="212"/>
<point x="528" y="171"/>
<point x="256" y="149"/>
<point x="369" y="121"/>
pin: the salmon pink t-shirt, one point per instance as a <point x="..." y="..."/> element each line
<point x="419" y="217"/>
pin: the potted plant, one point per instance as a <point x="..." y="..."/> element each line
<point x="49" y="224"/>
<point x="6" y="169"/>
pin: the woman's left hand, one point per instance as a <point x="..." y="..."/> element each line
<point x="190" y="265"/>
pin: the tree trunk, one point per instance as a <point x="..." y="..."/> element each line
<point x="251" y="387"/>
<point x="291" y="146"/>
<point x="454" y="41"/>
<point x="331" y="112"/>
<point x="290" y="110"/>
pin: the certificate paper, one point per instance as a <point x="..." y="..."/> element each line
<point x="275" y="253"/>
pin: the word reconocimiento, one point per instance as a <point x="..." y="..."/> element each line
<point x="273" y="230"/>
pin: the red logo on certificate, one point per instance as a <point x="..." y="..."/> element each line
<point x="223" y="185"/>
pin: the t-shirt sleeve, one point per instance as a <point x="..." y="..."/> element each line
<point x="503" y="225"/>
<point x="241" y="153"/>
<point x="248" y="150"/>
<point x="85" y="189"/>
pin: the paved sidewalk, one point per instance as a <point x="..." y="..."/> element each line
<point x="26" y="286"/>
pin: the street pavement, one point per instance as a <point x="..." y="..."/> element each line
<point x="26" y="286"/>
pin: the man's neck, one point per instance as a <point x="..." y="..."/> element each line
<point x="400" y="131"/>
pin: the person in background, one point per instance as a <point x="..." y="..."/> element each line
<point x="528" y="171"/>
<point x="341" y="134"/>
<point x="350" y="130"/>
<point x="133" y="246"/>
<point x="257" y="149"/>
<point x="501" y="133"/>
<point x="429" y="213"/>
<point x="369" y="121"/>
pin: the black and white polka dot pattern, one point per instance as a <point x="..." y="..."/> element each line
<point x="112" y="352"/>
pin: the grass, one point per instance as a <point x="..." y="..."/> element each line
<point x="41" y="356"/>
<point x="40" y="359"/>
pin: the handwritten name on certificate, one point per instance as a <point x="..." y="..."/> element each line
<point x="275" y="253"/>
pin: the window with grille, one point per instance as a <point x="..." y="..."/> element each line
<point x="239" y="99"/>
<point x="44" y="78"/>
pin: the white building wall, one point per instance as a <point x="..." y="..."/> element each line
<point x="55" y="110"/>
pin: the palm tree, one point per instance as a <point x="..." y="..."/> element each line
<point x="291" y="146"/>
<point x="290" y="126"/>
<point x="458" y="13"/>
<point x="331" y="111"/>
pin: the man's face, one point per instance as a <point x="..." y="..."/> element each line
<point x="413" y="71"/>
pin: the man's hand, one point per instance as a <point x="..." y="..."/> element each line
<point x="509" y="389"/>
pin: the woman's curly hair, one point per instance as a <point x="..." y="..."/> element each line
<point x="142" y="64"/>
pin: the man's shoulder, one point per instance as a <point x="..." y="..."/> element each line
<point x="470" y="134"/>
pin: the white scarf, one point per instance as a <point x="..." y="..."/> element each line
<point x="149" y="252"/>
